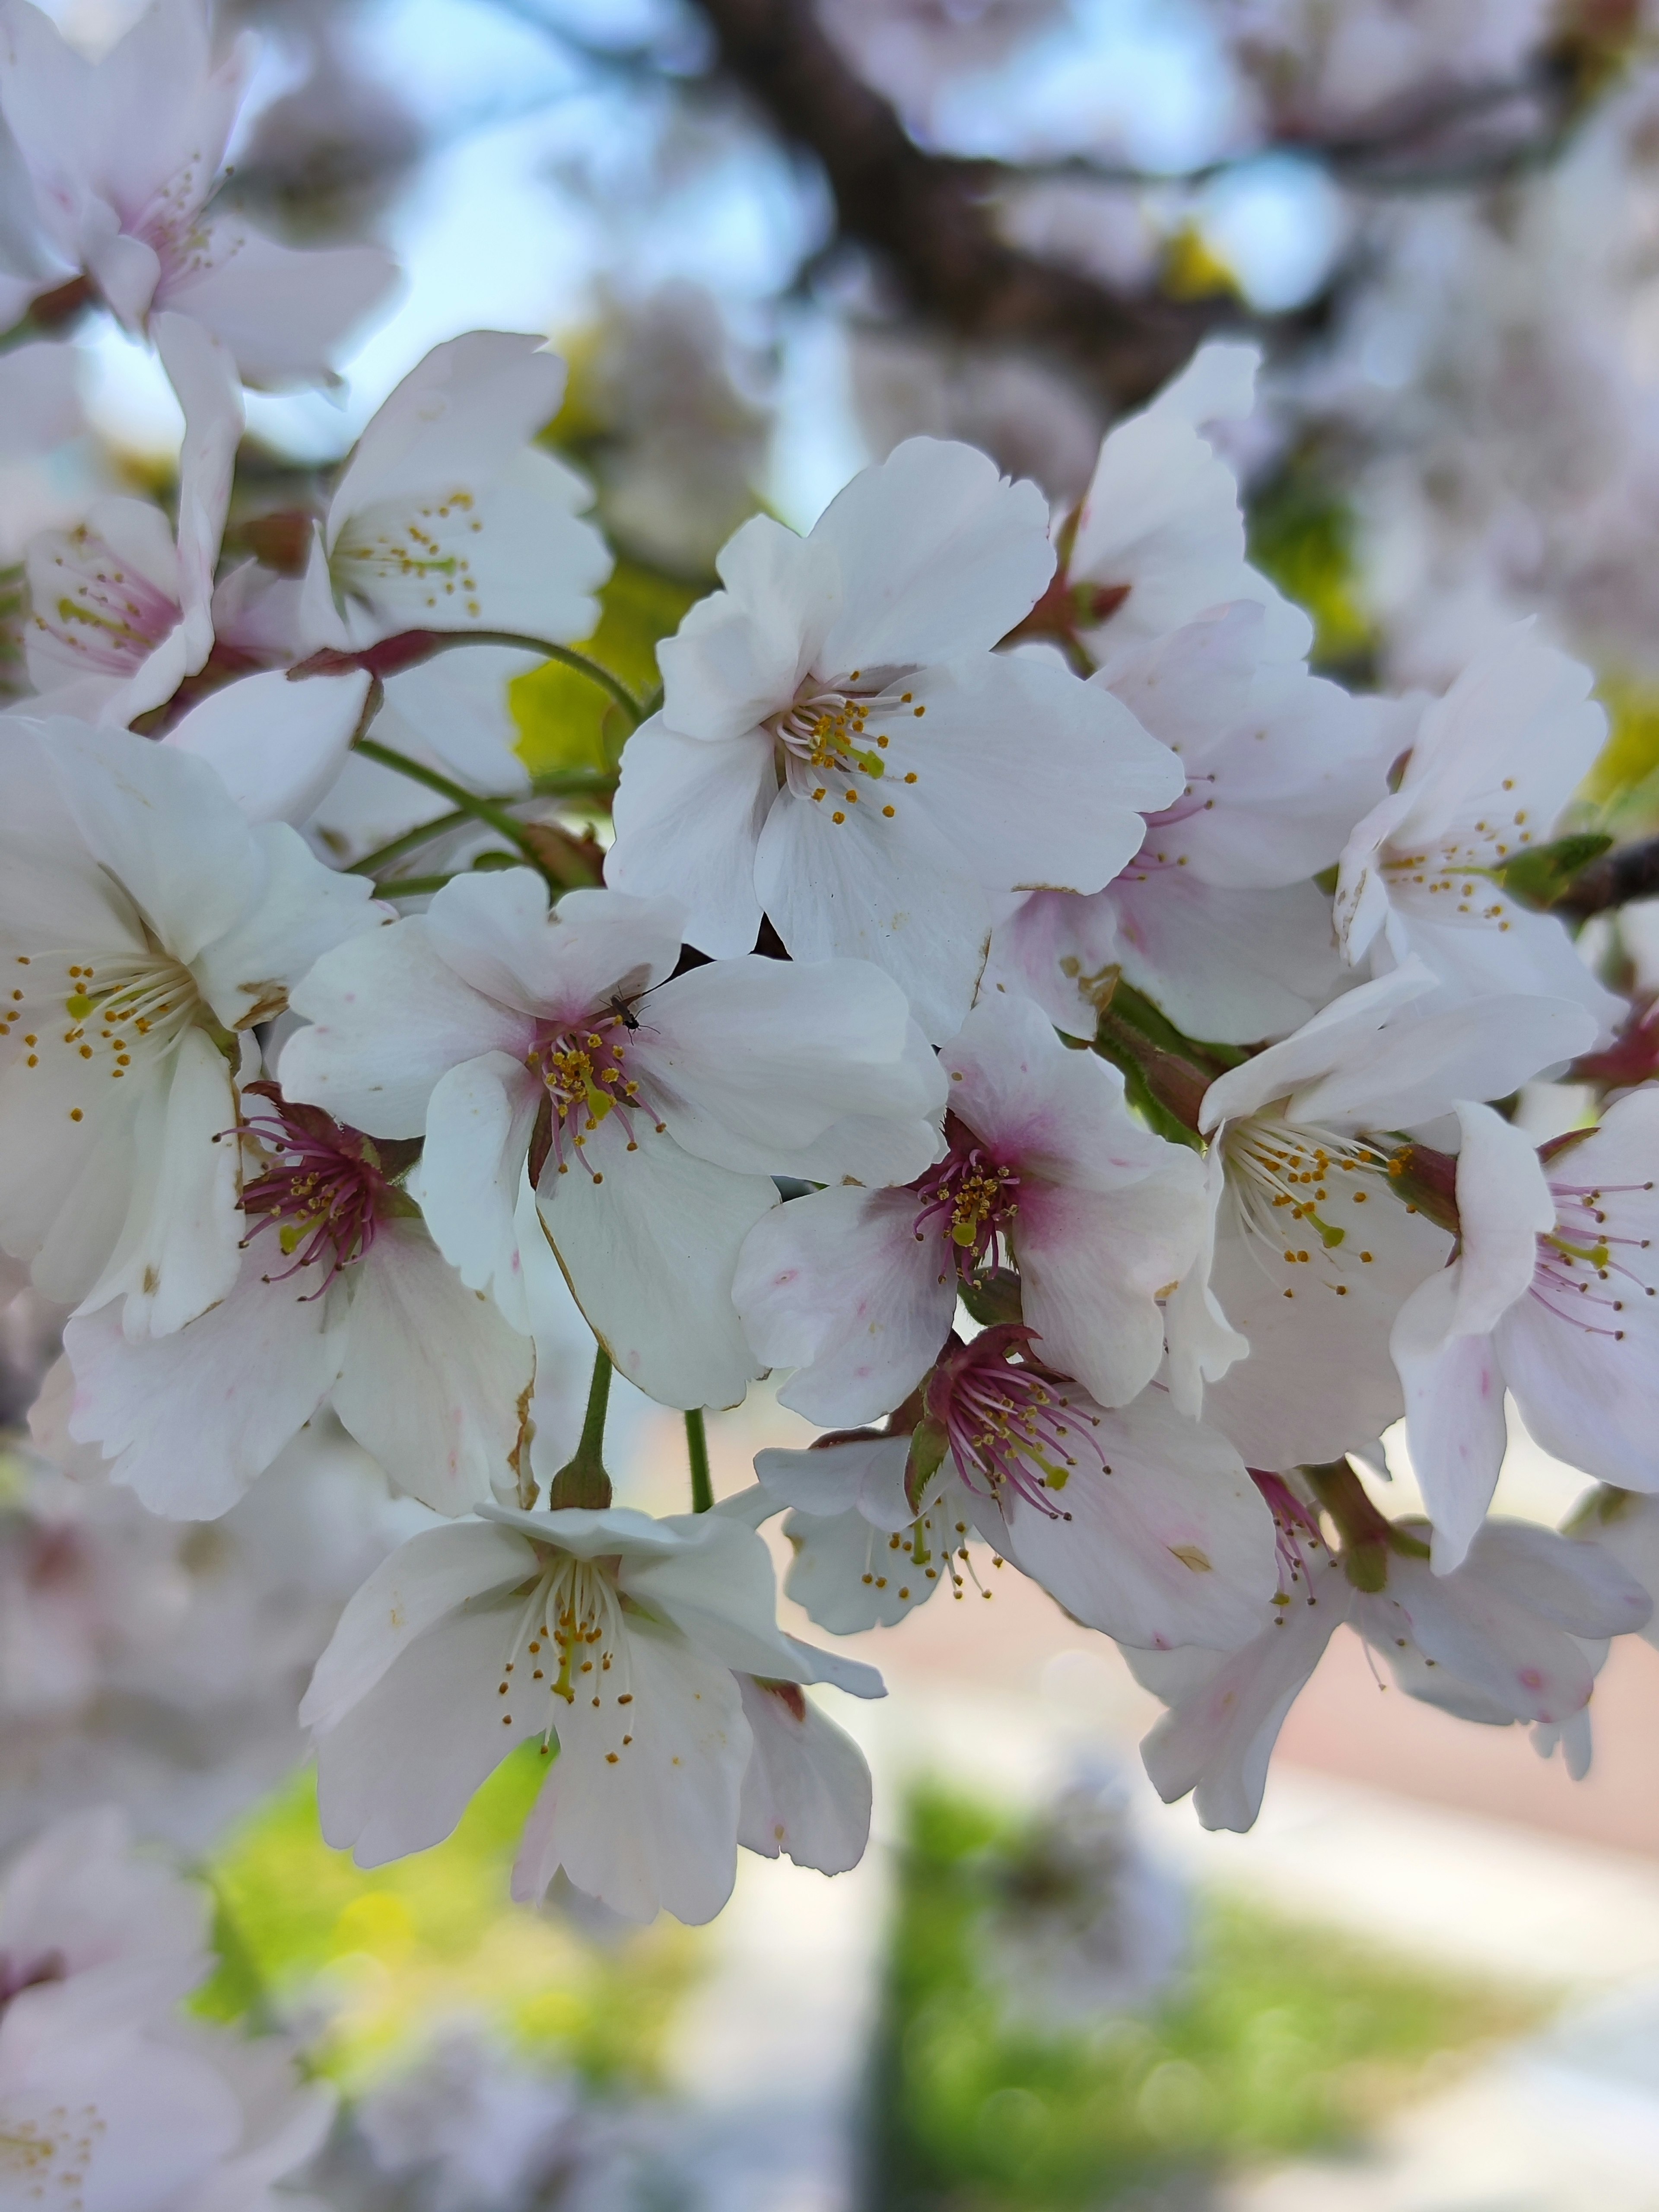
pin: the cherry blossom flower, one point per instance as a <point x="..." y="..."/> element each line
<point x="616" y="1638"/>
<point x="1492" y="765"/>
<point x="1216" y="919"/>
<point x="121" y="157"/>
<point x="807" y="1789"/>
<point x="652" y="1109"/>
<point x="1554" y="1295"/>
<point x="105" y="2097"/>
<point x="1160" y="538"/>
<point x="447" y="517"/>
<point x="1139" y="1521"/>
<point x="834" y="749"/>
<point x="120" y="606"/>
<point x="1503" y="1639"/>
<point x="147" y="928"/>
<point x="1313" y="1251"/>
<point x="856" y="1290"/>
<point x="348" y="1303"/>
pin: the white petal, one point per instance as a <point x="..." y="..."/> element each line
<point x="1231" y="966"/>
<point x="807" y="1790"/>
<point x="688" y="815"/>
<point x="1171" y="1545"/>
<point x="431" y="1376"/>
<point x="388" y="1019"/>
<point x="651" y="1825"/>
<point x="740" y="653"/>
<point x="864" y="1476"/>
<point x="650" y="1252"/>
<point x="1503" y="1206"/>
<point x="507" y="555"/>
<point x="1219" y="1737"/>
<point x="284" y="315"/>
<point x="888" y="892"/>
<point x="177" y="1254"/>
<point x="190" y="1420"/>
<point x="938" y="554"/>
<point x="1319" y="1380"/>
<point x="425" y="1580"/>
<point x="847" y="1575"/>
<point x="1092" y="1264"/>
<point x="717" y="1588"/>
<point x="479" y="1128"/>
<point x="202" y="373"/>
<point x="838" y="1287"/>
<point x="752" y="1061"/>
<point x="1454" y="1395"/>
<point x="400" y="1768"/>
<point x="497" y="931"/>
<point x="460" y="416"/>
<point x="304" y="910"/>
<point x="1088" y="772"/>
<point x="277" y="746"/>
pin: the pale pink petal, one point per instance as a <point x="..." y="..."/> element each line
<point x="838" y="1287"/>
<point x="806" y="1791"/>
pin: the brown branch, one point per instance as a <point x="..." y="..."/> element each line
<point x="1629" y="871"/>
<point x="928" y="216"/>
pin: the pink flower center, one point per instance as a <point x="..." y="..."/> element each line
<point x="324" y="1193"/>
<point x="1151" y="857"/>
<point x="1588" y="1272"/>
<point x="104" y="612"/>
<point x="1012" y="1425"/>
<point x="584" y="1072"/>
<point x="969" y="1197"/>
<point x="1295" y="1528"/>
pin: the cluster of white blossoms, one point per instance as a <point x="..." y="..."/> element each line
<point x="1011" y="1000"/>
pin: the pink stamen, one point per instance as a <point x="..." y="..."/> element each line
<point x="972" y="1197"/>
<point x="1011" y="1424"/>
<point x="324" y="1195"/>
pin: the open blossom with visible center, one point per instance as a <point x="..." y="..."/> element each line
<point x="617" y="1638"/>
<point x="1216" y="918"/>
<point x="107" y="2099"/>
<point x="342" y="1297"/>
<point x="1502" y="1640"/>
<point x="120" y="158"/>
<point x="651" y="1109"/>
<point x="1554" y="1296"/>
<point x="1313" y="1253"/>
<point x="1141" y="1523"/>
<point x="840" y="748"/>
<point x="1160" y="538"/>
<point x="145" y="927"/>
<point x="856" y="1290"/>
<point x="447" y="518"/>
<point x="1492" y="766"/>
<point x="120" y="606"/>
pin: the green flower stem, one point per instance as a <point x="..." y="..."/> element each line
<point x="697" y="1450"/>
<point x="582" y="1479"/>
<point x="595" y="673"/>
<point x="376" y="863"/>
<point x="465" y="802"/>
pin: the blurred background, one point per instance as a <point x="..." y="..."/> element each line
<point x="773" y="239"/>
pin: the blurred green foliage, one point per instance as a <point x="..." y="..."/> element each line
<point x="1621" y="792"/>
<point x="1301" y="532"/>
<point x="564" y="720"/>
<point x="1279" y="2039"/>
<point x="386" y="1957"/>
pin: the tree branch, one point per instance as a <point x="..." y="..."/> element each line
<point x="928" y="218"/>
<point x="1630" y="871"/>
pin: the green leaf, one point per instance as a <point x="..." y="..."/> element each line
<point x="1539" y="875"/>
